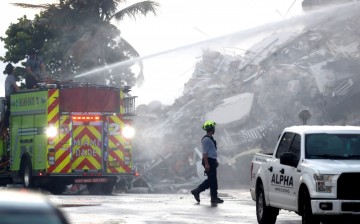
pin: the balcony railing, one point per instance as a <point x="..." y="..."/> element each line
<point x="129" y="106"/>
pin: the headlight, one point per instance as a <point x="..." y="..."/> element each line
<point x="323" y="182"/>
<point x="51" y="131"/>
<point x="128" y="132"/>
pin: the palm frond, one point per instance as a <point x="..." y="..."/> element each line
<point x="131" y="51"/>
<point x="142" y="8"/>
<point x="25" y="5"/>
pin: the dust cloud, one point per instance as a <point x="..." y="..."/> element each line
<point x="306" y="62"/>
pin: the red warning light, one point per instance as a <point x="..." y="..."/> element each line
<point x="86" y="118"/>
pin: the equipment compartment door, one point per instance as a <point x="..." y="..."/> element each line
<point x="87" y="146"/>
<point x="119" y="149"/>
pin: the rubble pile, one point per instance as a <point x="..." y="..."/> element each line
<point x="252" y="97"/>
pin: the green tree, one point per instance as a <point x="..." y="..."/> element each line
<point x="75" y="36"/>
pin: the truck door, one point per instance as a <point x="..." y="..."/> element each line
<point x="284" y="180"/>
<point x="87" y="146"/>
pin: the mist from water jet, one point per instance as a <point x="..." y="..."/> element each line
<point x="308" y="20"/>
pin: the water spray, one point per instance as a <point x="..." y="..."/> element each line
<point x="310" y="19"/>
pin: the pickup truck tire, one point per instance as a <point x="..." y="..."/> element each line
<point x="264" y="214"/>
<point x="307" y="215"/>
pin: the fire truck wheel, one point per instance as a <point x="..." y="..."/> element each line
<point x="94" y="188"/>
<point x="121" y="185"/>
<point x="57" y="188"/>
<point x="27" y="173"/>
<point x="107" y="188"/>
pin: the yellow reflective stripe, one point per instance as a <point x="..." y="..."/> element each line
<point x="78" y="130"/>
<point x="94" y="131"/>
<point x="58" y="154"/>
<point x="66" y="147"/>
<point x="114" y="142"/>
<point x="55" y="110"/>
<point x="92" y="160"/>
<point x="119" y="138"/>
<point x="122" y="108"/>
<point x="52" y="113"/>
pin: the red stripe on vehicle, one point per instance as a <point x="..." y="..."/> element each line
<point x="114" y="155"/>
<point x="66" y="168"/>
<point x="53" y="104"/>
<point x="86" y="162"/>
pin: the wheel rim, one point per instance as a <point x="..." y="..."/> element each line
<point x="27" y="177"/>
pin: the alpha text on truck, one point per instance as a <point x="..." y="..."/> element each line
<point x="71" y="133"/>
<point x="314" y="171"/>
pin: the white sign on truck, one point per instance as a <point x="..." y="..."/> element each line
<point x="314" y="171"/>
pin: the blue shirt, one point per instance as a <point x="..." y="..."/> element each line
<point x="209" y="147"/>
<point x="35" y="64"/>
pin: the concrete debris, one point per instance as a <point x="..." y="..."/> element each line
<point x="316" y="69"/>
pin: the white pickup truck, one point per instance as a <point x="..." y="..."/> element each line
<point x="314" y="171"/>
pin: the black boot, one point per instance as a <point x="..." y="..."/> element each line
<point x="196" y="193"/>
<point x="216" y="200"/>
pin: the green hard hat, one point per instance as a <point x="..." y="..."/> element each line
<point x="208" y="125"/>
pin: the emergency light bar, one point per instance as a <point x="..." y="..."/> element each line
<point x="86" y="118"/>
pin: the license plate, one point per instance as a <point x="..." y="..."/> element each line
<point x="90" y="180"/>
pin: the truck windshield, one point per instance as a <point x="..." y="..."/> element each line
<point x="332" y="146"/>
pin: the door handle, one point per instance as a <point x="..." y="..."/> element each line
<point x="282" y="171"/>
<point x="270" y="169"/>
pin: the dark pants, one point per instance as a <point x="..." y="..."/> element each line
<point x="7" y="113"/>
<point x="211" y="181"/>
<point x="30" y="82"/>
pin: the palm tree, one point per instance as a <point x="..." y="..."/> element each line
<point x="99" y="12"/>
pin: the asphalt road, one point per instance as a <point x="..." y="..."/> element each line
<point x="163" y="208"/>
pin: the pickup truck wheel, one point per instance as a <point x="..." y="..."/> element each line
<point x="265" y="214"/>
<point x="307" y="215"/>
<point x="332" y="220"/>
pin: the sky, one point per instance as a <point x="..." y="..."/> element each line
<point x="169" y="40"/>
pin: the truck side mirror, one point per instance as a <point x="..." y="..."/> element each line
<point x="289" y="159"/>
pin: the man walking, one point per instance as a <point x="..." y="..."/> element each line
<point x="210" y="164"/>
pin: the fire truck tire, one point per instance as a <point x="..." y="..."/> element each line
<point x="100" y="189"/>
<point x="94" y="188"/>
<point x="26" y="172"/>
<point x="121" y="185"/>
<point x="57" y="189"/>
<point x="107" y="188"/>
